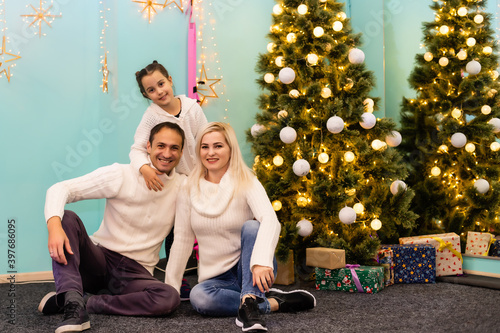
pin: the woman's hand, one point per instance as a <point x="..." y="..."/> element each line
<point x="58" y="240"/>
<point x="263" y="277"/>
<point x="151" y="177"/>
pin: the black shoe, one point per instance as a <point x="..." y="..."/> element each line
<point x="75" y="318"/>
<point x="292" y="301"/>
<point x="48" y="304"/>
<point x="249" y="317"/>
<point x="185" y="290"/>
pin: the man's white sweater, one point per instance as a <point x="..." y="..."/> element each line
<point x="215" y="217"/>
<point x="136" y="220"/>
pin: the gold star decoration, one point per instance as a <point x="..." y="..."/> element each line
<point x="41" y="15"/>
<point x="149" y="6"/>
<point x="3" y="62"/>
<point x="168" y="2"/>
<point x="204" y="89"/>
<point x="105" y="74"/>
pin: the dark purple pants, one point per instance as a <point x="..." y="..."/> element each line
<point x="130" y="289"/>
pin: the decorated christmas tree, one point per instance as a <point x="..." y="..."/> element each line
<point x="449" y="130"/>
<point x="325" y="160"/>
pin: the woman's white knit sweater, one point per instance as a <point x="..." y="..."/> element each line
<point x="215" y="217"/>
<point x="190" y="120"/>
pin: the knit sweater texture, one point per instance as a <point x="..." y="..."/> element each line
<point x="191" y="119"/>
<point x="136" y="220"/>
<point x="215" y="216"/>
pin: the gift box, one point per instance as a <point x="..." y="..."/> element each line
<point x="352" y="278"/>
<point x="413" y="263"/>
<point x="385" y="258"/>
<point x="478" y="243"/>
<point x="495" y="248"/>
<point x="448" y="257"/>
<point x="324" y="257"/>
<point x="285" y="274"/>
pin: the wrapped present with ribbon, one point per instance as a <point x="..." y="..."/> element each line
<point x="478" y="243"/>
<point x="495" y="247"/>
<point x="448" y="257"/>
<point x="412" y="263"/>
<point x="352" y="278"/>
<point x="385" y="257"/>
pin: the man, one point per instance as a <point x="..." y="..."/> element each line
<point x="120" y="256"/>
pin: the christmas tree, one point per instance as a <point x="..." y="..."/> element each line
<point x="449" y="130"/>
<point x="320" y="152"/>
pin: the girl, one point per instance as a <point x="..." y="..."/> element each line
<point x="226" y="208"/>
<point x="156" y="85"/>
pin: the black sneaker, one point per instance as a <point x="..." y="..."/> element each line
<point x="185" y="290"/>
<point x="48" y="304"/>
<point x="75" y="318"/>
<point x="249" y="317"/>
<point x="292" y="301"/>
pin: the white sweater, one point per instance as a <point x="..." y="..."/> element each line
<point x="190" y="120"/>
<point x="215" y="218"/>
<point x="136" y="220"/>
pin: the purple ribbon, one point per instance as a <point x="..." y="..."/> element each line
<point x="355" y="277"/>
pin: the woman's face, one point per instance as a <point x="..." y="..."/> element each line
<point x="215" y="153"/>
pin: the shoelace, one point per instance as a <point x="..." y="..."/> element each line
<point x="70" y="310"/>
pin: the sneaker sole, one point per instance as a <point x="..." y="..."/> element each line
<point x="74" y="328"/>
<point x="254" y="327"/>
<point x="44" y="301"/>
<point x="295" y="291"/>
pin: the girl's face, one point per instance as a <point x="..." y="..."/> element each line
<point x="215" y="153"/>
<point x="158" y="88"/>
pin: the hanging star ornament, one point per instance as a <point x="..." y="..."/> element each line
<point x="168" y="2"/>
<point x="204" y="88"/>
<point x="41" y="15"/>
<point x="149" y="6"/>
<point x="3" y="62"/>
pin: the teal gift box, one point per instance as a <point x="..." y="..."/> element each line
<point x="352" y="278"/>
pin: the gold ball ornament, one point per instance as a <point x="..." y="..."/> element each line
<point x="278" y="160"/>
<point x="428" y="56"/>
<point x="318" y="32"/>
<point x="435" y="171"/>
<point x="495" y="146"/>
<point x="376" y="224"/>
<point x="277" y="205"/>
<point x="323" y="158"/>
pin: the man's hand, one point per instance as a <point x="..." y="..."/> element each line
<point x="58" y="241"/>
<point x="151" y="177"/>
<point x="263" y="277"/>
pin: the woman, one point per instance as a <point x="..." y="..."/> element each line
<point x="225" y="207"/>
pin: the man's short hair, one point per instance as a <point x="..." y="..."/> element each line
<point x="170" y="125"/>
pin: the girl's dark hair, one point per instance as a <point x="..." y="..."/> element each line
<point x="154" y="66"/>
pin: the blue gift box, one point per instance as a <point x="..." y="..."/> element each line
<point x="413" y="263"/>
<point x="495" y="249"/>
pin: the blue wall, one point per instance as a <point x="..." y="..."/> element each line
<point x="57" y="124"/>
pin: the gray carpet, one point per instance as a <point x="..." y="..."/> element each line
<point x="440" y="307"/>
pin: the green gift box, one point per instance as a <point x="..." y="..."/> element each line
<point x="352" y="278"/>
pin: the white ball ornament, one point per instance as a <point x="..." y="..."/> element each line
<point x="288" y="134"/>
<point x="458" y="140"/>
<point x="347" y="215"/>
<point x="376" y="224"/>
<point x="368" y="120"/>
<point x="428" y="56"/>
<point x="471" y="41"/>
<point x="278" y="160"/>
<point x="305" y="227"/>
<point x="294" y="93"/>
<point x="462" y="11"/>
<point x="337" y="26"/>
<point x="302" y="9"/>
<point x="301" y="167"/>
<point x="286" y="75"/>
<point x="356" y="56"/>
<point x="396" y="185"/>
<point x="462" y="55"/>
<point x="443" y="61"/>
<point x="473" y="67"/>
<point x="482" y="185"/>
<point x="269" y="78"/>
<point x="318" y="32"/>
<point x="393" y="139"/>
<point x="495" y="122"/>
<point x="279" y="61"/>
<point x="495" y="146"/>
<point x="326" y="92"/>
<point x="312" y="58"/>
<point x="478" y="18"/>
<point x="335" y="124"/>
<point x="257" y="129"/>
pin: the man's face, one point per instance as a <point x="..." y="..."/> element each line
<point x="166" y="150"/>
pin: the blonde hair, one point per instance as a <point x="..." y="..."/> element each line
<point x="240" y="173"/>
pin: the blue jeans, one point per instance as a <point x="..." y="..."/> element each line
<point x="221" y="295"/>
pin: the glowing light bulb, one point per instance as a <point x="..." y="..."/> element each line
<point x="376" y="224"/>
<point x="378" y="144"/>
<point x="486" y="109"/>
<point x="462" y="55"/>
<point x="471" y="41"/>
<point x="269" y="78"/>
<point x="301" y="202"/>
<point x="495" y="146"/>
<point x="462" y="11"/>
<point x="487" y="50"/>
<point x="323" y="157"/>
<point x="443" y="61"/>
<point x="337" y="26"/>
<point x="444" y="29"/>
<point x="349" y="156"/>
<point x="278" y="160"/>
<point x="277" y="205"/>
<point x="470" y="147"/>
<point x="443" y="148"/>
<point x="318" y="32"/>
<point x="358" y="208"/>
<point x="478" y="18"/>
<point x="277" y="9"/>
<point x="291" y="37"/>
<point x="279" y="61"/>
<point x="326" y="92"/>
<point x="456" y="113"/>
<point x="312" y="58"/>
<point x="302" y="9"/>
<point x="435" y="171"/>
<point x="428" y="56"/>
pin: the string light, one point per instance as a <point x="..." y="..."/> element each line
<point x="6" y="57"/>
<point x="104" y="58"/>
